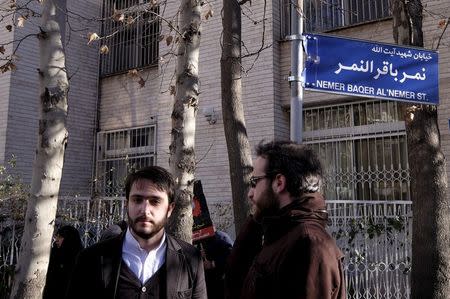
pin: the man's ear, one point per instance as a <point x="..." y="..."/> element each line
<point x="279" y="183"/>
<point x="170" y="209"/>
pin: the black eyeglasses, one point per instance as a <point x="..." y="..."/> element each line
<point x="255" y="179"/>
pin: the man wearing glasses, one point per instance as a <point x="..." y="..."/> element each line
<point x="283" y="250"/>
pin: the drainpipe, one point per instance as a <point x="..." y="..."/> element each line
<point x="296" y="130"/>
<point x="97" y="112"/>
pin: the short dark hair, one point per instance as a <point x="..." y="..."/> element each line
<point x="158" y="175"/>
<point x="298" y="163"/>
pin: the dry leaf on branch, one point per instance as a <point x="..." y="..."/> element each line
<point x="104" y="49"/>
<point x="118" y="16"/>
<point x="169" y="39"/>
<point x="172" y="89"/>
<point x="12" y="67"/>
<point x="442" y="23"/>
<point x="133" y="73"/>
<point x="130" y="20"/>
<point x="20" y="21"/>
<point x="209" y="14"/>
<point x="9" y="66"/>
<point x="92" y="36"/>
<point x="141" y="82"/>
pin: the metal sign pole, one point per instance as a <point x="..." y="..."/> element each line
<point x="296" y="69"/>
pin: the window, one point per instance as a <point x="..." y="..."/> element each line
<point x="122" y="151"/>
<point x="134" y="40"/>
<point x="367" y="186"/>
<point x="322" y="15"/>
<point x="364" y="147"/>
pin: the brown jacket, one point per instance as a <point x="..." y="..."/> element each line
<point x="297" y="259"/>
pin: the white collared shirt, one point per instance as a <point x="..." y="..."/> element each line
<point x="142" y="263"/>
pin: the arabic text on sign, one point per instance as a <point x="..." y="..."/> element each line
<point x="386" y="69"/>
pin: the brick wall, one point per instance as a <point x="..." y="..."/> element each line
<point x="23" y="113"/>
<point x="5" y="82"/>
<point x="82" y="65"/>
<point x="123" y="104"/>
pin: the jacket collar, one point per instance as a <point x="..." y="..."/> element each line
<point x="308" y="208"/>
<point x="175" y="264"/>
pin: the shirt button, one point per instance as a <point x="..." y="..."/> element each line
<point x="144" y="289"/>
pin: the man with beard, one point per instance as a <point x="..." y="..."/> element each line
<point x="144" y="261"/>
<point x="283" y="250"/>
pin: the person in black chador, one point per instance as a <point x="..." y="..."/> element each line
<point x="65" y="249"/>
<point x="215" y="251"/>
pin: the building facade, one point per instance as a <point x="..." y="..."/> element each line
<point x="19" y="95"/>
<point x="120" y="116"/>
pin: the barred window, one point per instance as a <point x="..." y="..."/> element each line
<point x="364" y="147"/>
<point x="323" y="15"/>
<point x="133" y="35"/>
<point x="120" y="152"/>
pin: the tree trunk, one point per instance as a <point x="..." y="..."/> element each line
<point x="34" y="255"/>
<point x="430" y="276"/>
<point x="238" y="146"/>
<point x="182" y="156"/>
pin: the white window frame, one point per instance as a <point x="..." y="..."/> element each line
<point x="118" y="148"/>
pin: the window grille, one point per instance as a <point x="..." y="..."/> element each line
<point x="322" y="15"/>
<point x="133" y="41"/>
<point x="120" y="152"/>
<point x="367" y="186"/>
<point x="364" y="148"/>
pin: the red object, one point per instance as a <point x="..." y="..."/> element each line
<point x="197" y="210"/>
<point x="203" y="226"/>
<point x="203" y="233"/>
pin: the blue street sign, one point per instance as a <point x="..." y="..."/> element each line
<point x="368" y="69"/>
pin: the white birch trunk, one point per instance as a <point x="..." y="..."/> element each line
<point x="34" y="255"/>
<point x="182" y="156"/>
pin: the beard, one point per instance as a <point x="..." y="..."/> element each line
<point x="267" y="205"/>
<point x="148" y="229"/>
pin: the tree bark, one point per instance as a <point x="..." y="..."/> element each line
<point x="238" y="146"/>
<point x="34" y="254"/>
<point x="430" y="276"/>
<point x="182" y="155"/>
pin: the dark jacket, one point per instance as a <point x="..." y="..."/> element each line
<point x="216" y="249"/>
<point x="97" y="270"/>
<point x="62" y="262"/>
<point x="297" y="259"/>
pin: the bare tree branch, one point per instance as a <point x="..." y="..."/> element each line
<point x="442" y="33"/>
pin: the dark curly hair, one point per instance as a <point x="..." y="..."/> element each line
<point x="158" y="175"/>
<point x="298" y="163"/>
